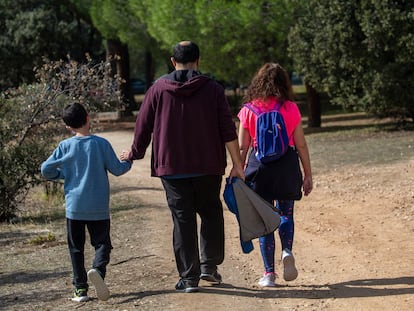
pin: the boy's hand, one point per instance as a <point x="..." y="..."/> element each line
<point x="124" y="155"/>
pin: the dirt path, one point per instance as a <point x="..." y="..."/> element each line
<point x="353" y="247"/>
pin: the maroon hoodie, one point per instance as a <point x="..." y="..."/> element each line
<point x="188" y="118"/>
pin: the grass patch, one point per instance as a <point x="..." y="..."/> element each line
<point x="299" y="89"/>
<point x="42" y="208"/>
<point x="42" y="239"/>
<point x="368" y="146"/>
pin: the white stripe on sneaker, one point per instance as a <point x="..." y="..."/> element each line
<point x="101" y="289"/>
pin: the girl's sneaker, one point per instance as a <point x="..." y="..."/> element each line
<point x="289" y="269"/>
<point x="80" y="295"/>
<point x="268" y="280"/>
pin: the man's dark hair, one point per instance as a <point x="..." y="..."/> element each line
<point x="186" y="52"/>
<point x="74" y="115"/>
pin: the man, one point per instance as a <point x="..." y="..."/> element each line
<point x="188" y="118"/>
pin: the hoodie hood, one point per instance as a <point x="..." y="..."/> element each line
<point x="184" y="82"/>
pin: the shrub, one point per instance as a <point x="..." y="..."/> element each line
<point x="30" y="121"/>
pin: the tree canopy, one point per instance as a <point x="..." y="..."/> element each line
<point x="36" y="29"/>
<point x="235" y="36"/>
<point x="360" y="52"/>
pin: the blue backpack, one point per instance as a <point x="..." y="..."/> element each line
<point x="271" y="134"/>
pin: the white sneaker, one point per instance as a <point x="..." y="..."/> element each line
<point x="101" y="289"/>
<point x="268" y="280"/>
<point x="289" y="270"/>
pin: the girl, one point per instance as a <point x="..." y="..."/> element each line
<point x="271" y="88"/>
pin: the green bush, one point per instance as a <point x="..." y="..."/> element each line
<point x="30" y="121"/>
<point x="359" y="52"/>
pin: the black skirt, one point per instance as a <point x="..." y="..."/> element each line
<point x="278" y="180"/>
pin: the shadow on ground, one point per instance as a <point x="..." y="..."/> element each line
<point x="356" y="288"/>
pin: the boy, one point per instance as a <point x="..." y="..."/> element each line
<point x="83" y="162"/>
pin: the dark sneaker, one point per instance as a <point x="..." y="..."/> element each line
<point x="102" y="291"/>
<point x="186" y="286"/>
<point x="80" y="295"/>
<point x="214" y="278"/>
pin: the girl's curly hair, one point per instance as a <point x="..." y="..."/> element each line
<point x="271" y="80"/>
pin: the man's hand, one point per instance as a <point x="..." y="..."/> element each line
<point x="237" y="171"/>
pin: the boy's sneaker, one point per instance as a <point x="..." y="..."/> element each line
<point x="214" y="278"/>
<point x="102" y="291"/>
<point x="268" y="280"/>
<point x="186" y="286"/>
<point x="80" y="295"/>
<point x="289" y="270"/>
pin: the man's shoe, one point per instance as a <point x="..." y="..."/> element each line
<point x="268" y="280"/>
<point x="214" y="278"/>
<point x="289" y="270"/>
<point x="186" y="286"/>
<point x="102" y="291"/>
<point x="80" y="295"/>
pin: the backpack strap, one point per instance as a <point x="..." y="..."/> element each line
<point x="278" y="105"/>
<point x="252" y="108"/>
<point x="257" y="111"/>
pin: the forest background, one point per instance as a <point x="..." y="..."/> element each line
<point x="347" y="56"/>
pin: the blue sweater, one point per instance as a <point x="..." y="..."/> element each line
<point x="83" y="163"/>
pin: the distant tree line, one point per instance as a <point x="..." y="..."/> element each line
<point x="359" y="52"/>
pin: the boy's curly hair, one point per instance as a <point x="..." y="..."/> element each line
<point x="271" y="80"/>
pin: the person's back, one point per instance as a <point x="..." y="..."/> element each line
<point x="192" y="125"/>
<point x="279" y="181"/>
<point x="187" y="117"/>
<point x="83" y="161"/>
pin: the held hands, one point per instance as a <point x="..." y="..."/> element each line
<point x="124" y="155"/>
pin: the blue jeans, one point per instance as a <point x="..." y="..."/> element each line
<point x="286" y="232"/>
<point x="99" y="232"/>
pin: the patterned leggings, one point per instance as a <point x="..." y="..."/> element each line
<point x="286" y="231"/>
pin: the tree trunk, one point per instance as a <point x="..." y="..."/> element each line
<point x="119" y="52"/>
<point x="149" y="69"/>
<point x="314" y="106"/>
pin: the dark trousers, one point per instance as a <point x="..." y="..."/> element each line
<point x="99" y="232"/>
<point x="186" y="198"/>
